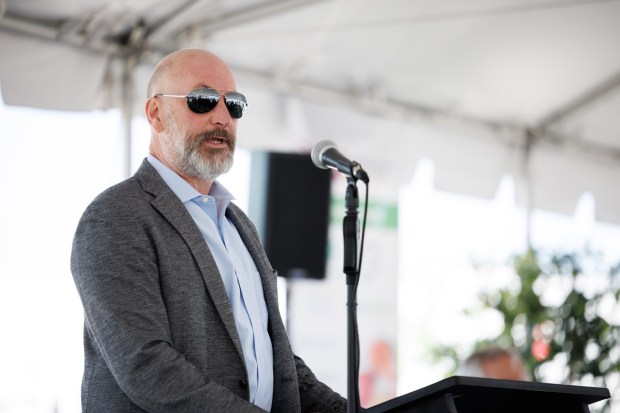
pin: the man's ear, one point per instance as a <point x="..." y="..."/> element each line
<point x="153" y="114"/>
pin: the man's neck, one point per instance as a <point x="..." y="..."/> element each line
<point x="201" y="185"/>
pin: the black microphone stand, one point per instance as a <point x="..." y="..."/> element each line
<point x="350" y="228"/>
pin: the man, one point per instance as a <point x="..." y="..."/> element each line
<point x="180" y="301"/>
<point x="496" y="363"/>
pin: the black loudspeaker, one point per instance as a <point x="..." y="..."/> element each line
<point x="289" y="204"/>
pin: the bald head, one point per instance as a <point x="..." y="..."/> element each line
<point x="179" y="63"/>
<point x="497" y="363"/>
<point x="197" y="145"/>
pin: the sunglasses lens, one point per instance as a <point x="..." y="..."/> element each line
<point x="235" y="105"/>
<point x="205" y="100"/>
<point x="202" y="101"/>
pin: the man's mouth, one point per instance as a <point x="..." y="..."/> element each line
<point x="217" y="140"/>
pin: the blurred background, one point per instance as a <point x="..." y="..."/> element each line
<point x="489" y="129"/>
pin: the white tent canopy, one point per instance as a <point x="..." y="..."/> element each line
<point x="482" y="87"/>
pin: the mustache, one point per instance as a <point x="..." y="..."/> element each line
<point x="228" y="137"/>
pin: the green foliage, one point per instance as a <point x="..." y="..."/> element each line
<point x="574" y="329"/>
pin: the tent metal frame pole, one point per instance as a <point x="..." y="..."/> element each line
<point x="127" y="114"/>
<point x="528" y="183"/>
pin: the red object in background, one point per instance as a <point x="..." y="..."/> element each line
<point x="540" y="350"/>
<point x="542" y="334"/>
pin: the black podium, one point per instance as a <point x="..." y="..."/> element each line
<point x="461" y="394"/>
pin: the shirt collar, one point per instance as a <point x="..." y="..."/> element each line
<point x="182" y="188"/>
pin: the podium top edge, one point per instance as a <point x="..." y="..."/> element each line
<point x="524" y="385"/>
<point x="464" y="384"/>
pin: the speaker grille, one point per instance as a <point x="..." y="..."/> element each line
<point x="289" y="203"/>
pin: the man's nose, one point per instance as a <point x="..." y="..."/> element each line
<point x="219" y="114"/>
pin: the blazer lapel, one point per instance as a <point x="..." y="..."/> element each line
<point x="252" y="243"/>
<point x="169" y="205"/>
<point x="285" y="384"/>
<point x="267" y="274"/>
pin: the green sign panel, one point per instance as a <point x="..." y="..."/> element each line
<point x="380" y="215"/>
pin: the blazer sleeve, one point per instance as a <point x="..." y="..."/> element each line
<point x="115" y="268"/>
<point x="315" y="395"/>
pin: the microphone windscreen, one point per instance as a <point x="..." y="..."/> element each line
<point x="318" y="150"/>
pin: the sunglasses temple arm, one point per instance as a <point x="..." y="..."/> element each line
<point x="170" y="96"/>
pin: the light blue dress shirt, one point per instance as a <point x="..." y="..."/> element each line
<point x="239" y="274"/>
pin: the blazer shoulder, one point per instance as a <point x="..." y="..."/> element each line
<point x="126" y="194"/>
<point x="132" y="194"/>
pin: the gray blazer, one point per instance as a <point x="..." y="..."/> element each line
<point x="159" y="333"/>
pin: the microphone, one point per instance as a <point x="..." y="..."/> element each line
<point x="325" y="155"/>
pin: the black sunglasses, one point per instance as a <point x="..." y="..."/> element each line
<point x="203" y="100"/>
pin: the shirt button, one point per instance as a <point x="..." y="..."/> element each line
<point x="205" y="200"/>
<point x="243" y="383"/>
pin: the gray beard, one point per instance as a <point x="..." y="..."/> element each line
<point x="196" y="162"/>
